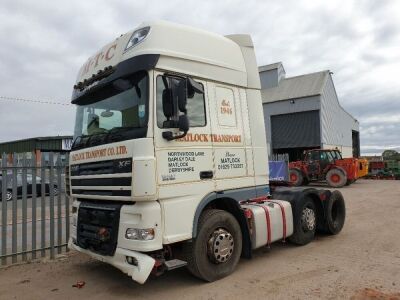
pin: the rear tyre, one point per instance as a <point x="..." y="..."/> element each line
<point x="295" y="177"/>
<point x="216" y="250"/>
<point x="336" y="178"/>
<point x="305" y="221"/>
<point x="335" y="213"/>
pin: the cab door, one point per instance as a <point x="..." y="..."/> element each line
<point x="184" y="166"/>
<point x="233" y="165"/>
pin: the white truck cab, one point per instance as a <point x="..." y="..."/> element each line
<point x="169" y="165"/>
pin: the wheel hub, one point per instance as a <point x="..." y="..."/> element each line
<point x="308" y="219"/>
<point x="220" y="246"/>
<point x="335" y="178"/>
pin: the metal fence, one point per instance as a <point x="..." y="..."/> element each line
<point x="34" y="208"/>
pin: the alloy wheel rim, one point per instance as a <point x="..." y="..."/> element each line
<point x="308" y="219"/>
<point x="220" y="246"/>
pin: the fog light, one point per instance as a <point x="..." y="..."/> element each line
<point x="132" y="261"/>
<point x="140" y="234"/>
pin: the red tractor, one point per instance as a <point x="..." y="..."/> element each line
<point x="319" y="165"/>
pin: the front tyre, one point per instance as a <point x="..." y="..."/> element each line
<point x="216" y="250"/>
<point x="336" y="178"/>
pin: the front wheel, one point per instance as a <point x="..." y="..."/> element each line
<point x="336" y="178"/>
<point x="216" y="250"/>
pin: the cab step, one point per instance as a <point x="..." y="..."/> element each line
<point x="174" y="264"/>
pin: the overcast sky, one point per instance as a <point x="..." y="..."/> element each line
<point x="44" y="43"/>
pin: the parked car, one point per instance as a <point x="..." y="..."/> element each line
<point x="9" y="193"/>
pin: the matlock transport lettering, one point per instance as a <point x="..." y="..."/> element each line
<point x="99" y="153"/>
<point x="215" y="138"/>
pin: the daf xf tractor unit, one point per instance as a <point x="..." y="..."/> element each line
<point x="169" y="166"/>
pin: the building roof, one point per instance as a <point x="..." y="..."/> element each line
<point x="41" y="138"/>
<point x="48" y="143"/>
<point x="270" y="67"/>
<point x="296" y="87"/>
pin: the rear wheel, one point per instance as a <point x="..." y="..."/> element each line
<point x="335" y="213"/>
<point x="216" y="250"/>
<point x="295" y="177"/>
<point x="305" y="221"/>
<point x="336" y="178"/>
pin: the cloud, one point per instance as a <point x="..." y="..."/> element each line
<point x="46" y="42"/>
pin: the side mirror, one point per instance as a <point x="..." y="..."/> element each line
<point x="167" y="103"/>
<point x="183" y="123"/>
<point x="182" y="95"/>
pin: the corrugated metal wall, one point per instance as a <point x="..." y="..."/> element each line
<point x="337" y="124"/>
<point x="29" y="145"/>
<point x="296" y="130"/>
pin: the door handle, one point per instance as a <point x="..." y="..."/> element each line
<point x="206" y="174"/>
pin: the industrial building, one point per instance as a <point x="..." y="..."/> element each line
<point x="303" y="112"/>
<point x="38" y="146"/>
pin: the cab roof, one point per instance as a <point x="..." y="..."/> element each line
<point x="181" y="48"/>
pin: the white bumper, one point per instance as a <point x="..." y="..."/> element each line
<point x="139" y="273"/>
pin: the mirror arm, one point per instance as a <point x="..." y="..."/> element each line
<point x="169" y="136"/>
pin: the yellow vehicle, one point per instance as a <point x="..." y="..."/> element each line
<point x="362" y="169"/>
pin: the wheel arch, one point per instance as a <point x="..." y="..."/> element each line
<point x="231" y="205"/>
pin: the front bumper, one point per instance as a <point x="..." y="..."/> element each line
<point x="139" y="272"/>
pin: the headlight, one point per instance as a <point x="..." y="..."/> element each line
<point x="140" y="234"/>
<point x="137" y="36"/>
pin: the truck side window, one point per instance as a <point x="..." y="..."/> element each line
<point x="196" y="107"/>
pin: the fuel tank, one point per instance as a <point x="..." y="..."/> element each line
<point x="270" y="221"/>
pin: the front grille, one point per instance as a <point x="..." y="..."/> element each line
<point x="124" y="181"/>
<point x="103" y="167"/>
<point x="103" y="183"/>
<point x="97" y="228"/>
<point x="101" y="192"/>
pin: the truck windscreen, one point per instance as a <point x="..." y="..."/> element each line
<point x="118" y="112"/>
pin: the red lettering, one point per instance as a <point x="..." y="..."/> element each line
<point x="97" y="57"/>
<point x="107" y="56"/>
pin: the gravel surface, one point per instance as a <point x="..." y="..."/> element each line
<point x="362" y="262"/>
